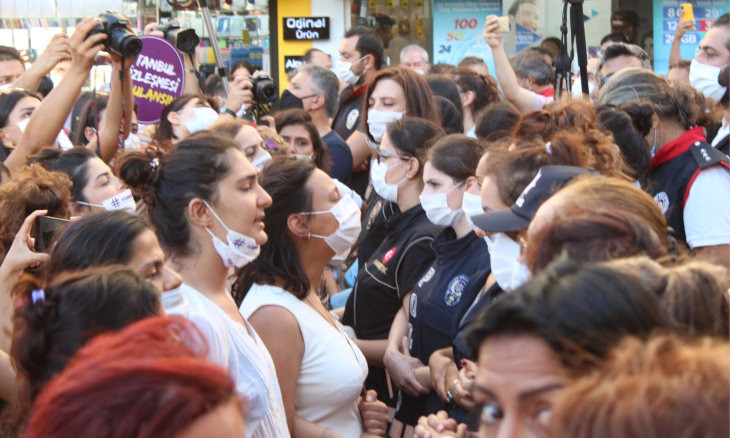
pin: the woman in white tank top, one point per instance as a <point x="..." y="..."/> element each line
<point x="321" y="371"/>
<point x="207" y="208"/>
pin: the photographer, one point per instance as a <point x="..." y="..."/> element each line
<point x="48" y="119"/>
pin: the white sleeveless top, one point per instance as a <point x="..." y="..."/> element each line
<point x="244" y="355"/>
<point x="333" y="369"/>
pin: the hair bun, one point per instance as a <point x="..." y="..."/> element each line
<point x="641" y="114"/>
<point x="139" y="170"/>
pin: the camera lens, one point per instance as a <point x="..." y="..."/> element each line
<point x="186" y="40"/>
<point x="131" y="46"/>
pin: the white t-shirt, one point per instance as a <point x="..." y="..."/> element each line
<point x="723" y="132"/>
<point x="540" y="101"/>
<point x="333" y="368"/>
<point x="242" y="354"/>
<point x="707" y="210"/>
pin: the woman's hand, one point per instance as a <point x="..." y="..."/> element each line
<point x="83" y="49"/>
<point x="239" y="94"/>
<point x="461" y="390"/>
<point x="21" y="254"/>
<point x="402" y="369"/>
<point x="439" y="425"/>
<point x="153" y="29"/>
<point x="683" y="27"/>
<point x="438" y="365"/>
<point x="57" y="50"/>
<point x="374" y="414"/>
<point x="489" y="33"/>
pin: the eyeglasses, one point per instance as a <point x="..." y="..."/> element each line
<point x="384" y="155"/>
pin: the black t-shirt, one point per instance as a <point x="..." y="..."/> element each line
<point x="341" y="156"/>
<point x="438" y="299"/>
<point x="390" y="272"/>
<point x="373" y="229"/>
<point x="349" y="111"/>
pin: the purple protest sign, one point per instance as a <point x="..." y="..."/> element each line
<point x="158" y="77"/>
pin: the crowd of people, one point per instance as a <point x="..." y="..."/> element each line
<point x="406" y="251"/>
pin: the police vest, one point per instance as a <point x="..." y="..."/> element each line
<point x="673" y="170"/>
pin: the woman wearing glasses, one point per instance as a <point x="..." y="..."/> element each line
<point x="426" y="319"/>
<point x="392" y="270"/>
<point x="394" y="93"/>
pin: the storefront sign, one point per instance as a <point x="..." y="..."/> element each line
<point x="292" y="62"/>
<point x="158" y="77"/>
<point x="666" y="20"/>
<point x="306" y="28"/>
<point x="457" y="29"/>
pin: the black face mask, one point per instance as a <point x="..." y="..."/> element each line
<point x="289" y="100"/>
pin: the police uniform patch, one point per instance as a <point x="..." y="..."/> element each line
<point x="413" y="303"/>
<point x="455" y="290"/>
<point x="389" y="255"/>
<point x="352" y="118"/>
<point x="426" y="278"/>
<point x="662" y="199"/>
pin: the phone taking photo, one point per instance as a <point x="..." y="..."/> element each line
<point x="45" y="230"/>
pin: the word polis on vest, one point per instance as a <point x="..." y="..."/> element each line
<point x="306" y="28"/>
<point x="161" y="80"/>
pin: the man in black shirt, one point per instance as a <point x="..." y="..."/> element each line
<point x="361" y="57"/>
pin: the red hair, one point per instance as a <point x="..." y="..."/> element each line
<point x="148" y="380"/>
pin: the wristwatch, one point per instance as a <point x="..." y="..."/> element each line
<point x="230" y="112"/>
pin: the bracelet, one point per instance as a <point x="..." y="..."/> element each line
<point x="230" y="112"/>
<point x="449" y="393"/>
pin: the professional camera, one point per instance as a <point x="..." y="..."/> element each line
<point x="184" y="39"/>
<point x="264" y="88"/>
<point x="118" y="38"/>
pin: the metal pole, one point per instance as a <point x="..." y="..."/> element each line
<point x="214" y="42"/>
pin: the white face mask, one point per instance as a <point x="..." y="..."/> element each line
<point x="345" y="74"/>
<point x="240" y="249"/>
<point x="438" y="210"/>
<point x="378" y="171"/>
<point x="261" y="161"/>
<point x="123" y="201"/>
<point x="577" y="88"/>
<point x="703" y="78"/>
<point x="132" y="143"/>
<point x="341" y="240"/>
<point x="346" y="191"/>
<point x="307" y="157"/>
<point x="471" y="205"/>
<point x="504" y="254"/>
<point x="62" y="139"/>
<point x="420" y="72"/>
<point x="378" y="122"/>
<point x="203" y="117"/>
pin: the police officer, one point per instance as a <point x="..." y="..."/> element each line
<point x="689" y="179"/>
<point x="361" y="57"/>
<point x="451" y="188"/>
<point x="386" y="279"/>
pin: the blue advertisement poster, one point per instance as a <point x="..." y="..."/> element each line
<point x="666" y="19"/>
<point x="457" y="30"/>
<point x="524" y="37"/>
